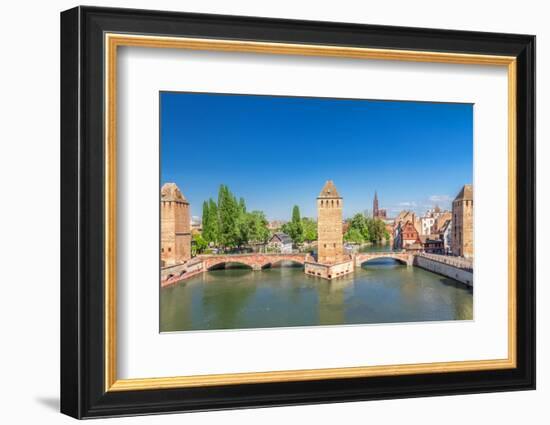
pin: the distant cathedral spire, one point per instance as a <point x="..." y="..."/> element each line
<point x="376" y="211"/>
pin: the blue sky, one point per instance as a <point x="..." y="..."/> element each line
<point x="277" y="152"/>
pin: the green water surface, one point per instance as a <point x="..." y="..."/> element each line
<point x="382" y="291"/>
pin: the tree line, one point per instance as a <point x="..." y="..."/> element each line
<point x="362" y="229"/>
<point x="227" y="224"/>
<point x="300" y="229"/>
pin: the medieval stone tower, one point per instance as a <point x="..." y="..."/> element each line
<point x="175" y="226"/>
<point x="462" y="243"/>
<point x="330" y="245"/>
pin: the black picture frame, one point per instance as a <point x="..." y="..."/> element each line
<point x="83" y="392"/>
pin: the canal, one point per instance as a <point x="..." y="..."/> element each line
<point x="382" y="291"/>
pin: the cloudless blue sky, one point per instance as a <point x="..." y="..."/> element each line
<point x="277" y="152"/>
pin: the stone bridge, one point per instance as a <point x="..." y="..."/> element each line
<point x="256" y="261"/>
<point x="456" y="268"/>
<point x="402" y="257"/>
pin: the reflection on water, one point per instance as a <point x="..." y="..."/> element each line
<point x="383" y="291"/>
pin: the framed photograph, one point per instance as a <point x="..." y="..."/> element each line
<point x="261" y="212"/>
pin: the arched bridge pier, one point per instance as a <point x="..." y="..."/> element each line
<point x="402" y="257"/>
<point x="256" y="261"/>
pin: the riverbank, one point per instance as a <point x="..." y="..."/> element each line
<point x="451" y="267"/>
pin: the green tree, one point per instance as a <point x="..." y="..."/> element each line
<point x="252" y="228"/>
<point x="206" y="228"/>
<point x="295" y="228"/>
<point x="353" y="235"/>
<point x="213" y="222"/>
<point x="380" y="227"/>
<point x="210" y="221"/>
<point x="286" y="228"/>
<point x="257" y="227"/>
<point x="242" y="205"/>
<point x="243" y="229"/>
<point x="377" y="229"/>
<point x="229" y="215"/>
<point x="296" y="214"/>
<point x="199" y="244"/>
<point x="229" y="225"/>
<point x="360" y="223"/>
<point x="310" y="229"/>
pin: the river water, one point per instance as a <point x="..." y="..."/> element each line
<point x="382" y="291"/>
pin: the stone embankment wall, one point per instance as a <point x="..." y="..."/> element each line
<point x="329" y="271"/>
<point x="175" y="274"/>
<point x="462" y="274"/>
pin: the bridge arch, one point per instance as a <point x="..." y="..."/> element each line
<point x="222" y="264"/>
<point x="277" y="262"/>
<point x="362" y="259"/>
<point x="368" y="260"/>
<point x="255" y="261"/>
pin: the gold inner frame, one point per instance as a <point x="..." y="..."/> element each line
<point x="113" y="41"/>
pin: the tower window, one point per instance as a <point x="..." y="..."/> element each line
<point x="169" y="249"/>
